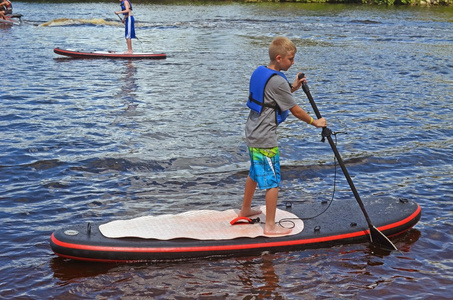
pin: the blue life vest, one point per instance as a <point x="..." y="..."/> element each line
<point x="258" y="82"/>
<point x="123" y="7"/>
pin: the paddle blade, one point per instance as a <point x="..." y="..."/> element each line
<point x="378" y="238"/>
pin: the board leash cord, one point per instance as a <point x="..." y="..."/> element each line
<point x="288" y="204"/>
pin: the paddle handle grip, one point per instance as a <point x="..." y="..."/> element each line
<point x="310" y="98"/>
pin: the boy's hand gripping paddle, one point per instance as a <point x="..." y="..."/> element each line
<point x="376" y="236"/>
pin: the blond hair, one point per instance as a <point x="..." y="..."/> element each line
<point x="281" y="46"/>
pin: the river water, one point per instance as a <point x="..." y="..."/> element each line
<point x="98" y="140"/>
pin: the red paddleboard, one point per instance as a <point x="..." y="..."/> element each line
<point x="108" y="54"/>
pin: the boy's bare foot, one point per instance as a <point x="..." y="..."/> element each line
<point x="249" y="212"/>
<point x="276" y="230"/>
<point x="128" y="52"/>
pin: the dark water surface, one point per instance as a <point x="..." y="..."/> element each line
<point x="97" y="140"/>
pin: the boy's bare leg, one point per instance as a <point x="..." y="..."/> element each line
<point x="270" y="227"/>
<point x="246" y="210"/>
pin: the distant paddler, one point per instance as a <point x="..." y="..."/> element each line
<point x="129" y="21"/>
<point x="6" y="8"/>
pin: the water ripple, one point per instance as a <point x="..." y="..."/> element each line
<point x="92" y="141"/>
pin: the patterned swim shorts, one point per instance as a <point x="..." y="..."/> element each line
<point x="265" y="167"/>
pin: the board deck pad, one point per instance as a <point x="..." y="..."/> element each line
<point x="197" y="224"/>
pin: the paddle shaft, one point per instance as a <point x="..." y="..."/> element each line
<point x="337" y="154"/>
<point x="378" y="236"/>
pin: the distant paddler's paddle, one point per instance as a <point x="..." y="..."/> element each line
<point x="376" y="236"/>
<point x="119" y="18"/>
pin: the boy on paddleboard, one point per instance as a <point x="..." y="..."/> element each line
<point x="129" y="21"/>
<point x="270" y="99"/>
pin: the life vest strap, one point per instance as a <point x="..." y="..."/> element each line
<point x="260" y="103"/>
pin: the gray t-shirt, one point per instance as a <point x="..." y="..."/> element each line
<point x="261" y="129"/>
